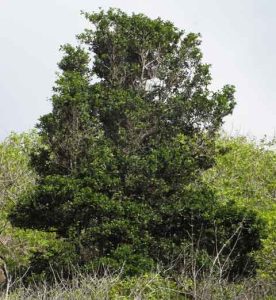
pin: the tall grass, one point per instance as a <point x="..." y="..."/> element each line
<point x="155" y="285"/>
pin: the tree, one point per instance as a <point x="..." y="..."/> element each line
<point x="245" y="173"/>
<point x="125" y="145"/>
<point x="15" y="178"/>
<point x="15" y="174"/>
<point x="17" y="246"/>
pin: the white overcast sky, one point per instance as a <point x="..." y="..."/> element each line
<point x="238" y="36"/>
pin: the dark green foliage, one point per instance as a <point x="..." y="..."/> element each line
<point x="125" y="145"/>
<point x="58" y="257"/>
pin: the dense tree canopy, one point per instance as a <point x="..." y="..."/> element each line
<point x="131" y="131"/>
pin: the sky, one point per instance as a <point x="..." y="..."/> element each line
<point x="238" y="40"/>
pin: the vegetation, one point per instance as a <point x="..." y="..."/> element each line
<point x="129" y="172"/>
<point x="245" y="173"/>
<point x="17" y="246"/>
<point x="150" y="286"/>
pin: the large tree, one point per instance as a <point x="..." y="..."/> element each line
<point x="131" y="130"/>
